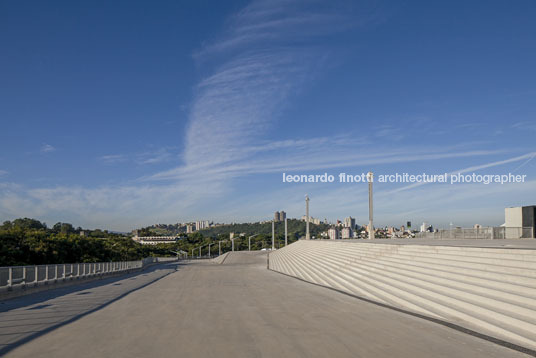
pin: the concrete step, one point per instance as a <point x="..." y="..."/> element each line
<point x="504" y="268"/>
<point x="509" y="283"/>
<point x="369" y="288"/>
<point x="520" y="261"/>
<point x="449" y="306"/>
<point x="493" y="299"/>
<point x="477" y="289"/>
<point x="519" y="294"/>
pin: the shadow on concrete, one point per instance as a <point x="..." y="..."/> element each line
<point x="28" y="317"/>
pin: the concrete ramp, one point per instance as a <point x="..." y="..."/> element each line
<point x="245" y="258"/>
<point x="218" y="260"/>
<point x="488" y="290"/>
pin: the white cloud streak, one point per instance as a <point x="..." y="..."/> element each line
<point x="47" y="148"/>
<point x="113" y="158"/>
<point x="476" y="168"/>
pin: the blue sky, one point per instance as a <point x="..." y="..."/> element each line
<point x="123" y="114"/>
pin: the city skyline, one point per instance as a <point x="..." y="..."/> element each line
<point x="120" y="117"/>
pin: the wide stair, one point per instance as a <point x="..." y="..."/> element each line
<point x="488" y="290"/>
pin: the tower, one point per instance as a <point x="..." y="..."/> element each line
<point x="307" y="236"/>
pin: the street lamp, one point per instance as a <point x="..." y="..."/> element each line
<point x="370" y="178"/>
<point x="273" y="234"/>
<point x="209" y="249"/>
<point x="286" y="240"/>
<point x="307" y="235"/>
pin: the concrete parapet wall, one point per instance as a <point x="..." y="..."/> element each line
<point x="489" y="290"/>
<point x="18" y="281"/>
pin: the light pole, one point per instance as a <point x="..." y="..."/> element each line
<point x="200" y="251"/>
<point x="219" y="248"/>
<point x="307" y="236"/>
<point x="286" y="240"/>
<point x="273" y="234"/>
<point x="193" y="253"/>
<point x="232" y="244"/>
<point x="370" y="178"/>
<point x="209" y="249"/>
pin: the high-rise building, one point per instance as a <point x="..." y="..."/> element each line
<point x="349" y="222"/>
<point x="333" y="233"/>
<point x="346" y="233"/>
<point x="189" y="229"/>
<point x="282" y="215"/>
<point x="200" y="225"/>
<point x="276" y="216"/>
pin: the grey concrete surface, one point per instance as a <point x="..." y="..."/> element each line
<point x="238" y="309"/>
<point x="499" y="243"/>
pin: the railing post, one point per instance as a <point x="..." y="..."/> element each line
<point x="35" y="275"/>
<point x="10" y="278"/>
<point x="46" y="274"/>
<point x="63" y="273"/>
<point x="24" y="275"/>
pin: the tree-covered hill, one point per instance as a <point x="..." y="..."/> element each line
<point x="30" y="242"/>
<point x="296" y="229"/>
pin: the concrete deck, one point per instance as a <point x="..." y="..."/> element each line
<point x="237" y="309"/>
<point x="500" y="243"/>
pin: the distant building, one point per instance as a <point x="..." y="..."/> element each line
<point x="521" y="216"/>
<point x="424" y="227"/>
<point x="333" y="233"/>
<point x="346" y="233"/>
<point x="200" y="225"/>
<point x="280" y="216"/>
<point x="83" y="233"/>
<point x="231" y="235"/>
<point x="312" y="220"/>
<point x="189" y="229"/>
<point x="520" y="221"/>
<point x="349" y="222"/>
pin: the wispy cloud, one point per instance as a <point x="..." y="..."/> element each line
<point x="528" y="157"/>
<point x="113" y="158"/>
<point x="47" y="148"/>
<point x="526" y="125"/>
<point x="154" y="156"/>
<point x="3" y="173"/>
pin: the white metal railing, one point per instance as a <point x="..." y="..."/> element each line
<point x="480" y="233"/>
<point x="32" y="276"/>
